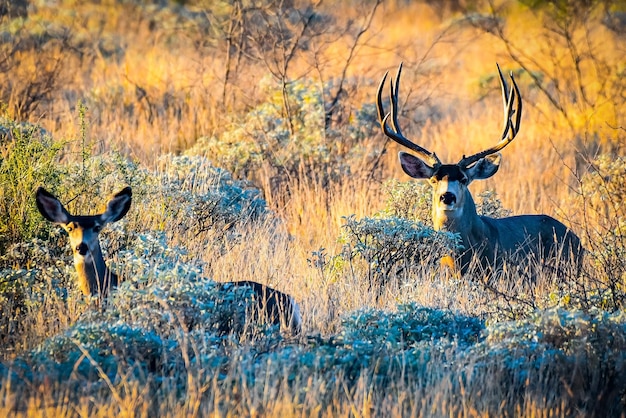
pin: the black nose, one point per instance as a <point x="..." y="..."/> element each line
<point x="82" y="248"/>
<point x="448" y="198"/>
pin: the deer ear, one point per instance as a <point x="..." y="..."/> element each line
<point x="485" y="167"/>
<point x="118" y="206"/>
<point x="50" y="207"/>
<point x="415" y="167"/>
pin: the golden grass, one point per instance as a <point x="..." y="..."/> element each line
<point x="128" y="109"/>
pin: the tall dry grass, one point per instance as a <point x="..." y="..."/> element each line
<point x="152" y="85"/>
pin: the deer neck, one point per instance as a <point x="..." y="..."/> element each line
<point x="93" y="275"/>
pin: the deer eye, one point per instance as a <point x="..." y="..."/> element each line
<point x="432" y="180"/>
<point x="69" y="228"/>
<point x="463" y="180"/>
<point x="97" y="228"/>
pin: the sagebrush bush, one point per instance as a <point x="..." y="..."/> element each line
<point x="384" y="249"/>
<point x="409" y="200"/>
<point x="577" y="355"/>
<point x="292" y="145"/>
<point x="28" y="158"/>
<point x="411" y="324"/>
<point x="201" y="200"/>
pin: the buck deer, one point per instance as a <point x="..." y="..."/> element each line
<point x="96" y="279"/>
<point x="491" y="241"/>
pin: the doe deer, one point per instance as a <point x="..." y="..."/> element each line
<point x="491" y="241"/>
<point x="96" y="279"/>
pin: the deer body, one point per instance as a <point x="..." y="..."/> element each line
<point x="491" y="241"/>
<point x="272" y="306"/>
<point x="96" y="279"/>
<point x="519" y="238"/>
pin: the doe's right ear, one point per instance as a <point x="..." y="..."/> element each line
<point x="118" y="206"/>
<point x="50" y="207"/>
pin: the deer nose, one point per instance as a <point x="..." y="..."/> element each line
<point x="448" y="198"/>
<point x="82" y="248"/>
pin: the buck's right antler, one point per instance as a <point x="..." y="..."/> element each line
<point x="394" y="132"/>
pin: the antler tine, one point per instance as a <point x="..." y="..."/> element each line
<point x="394" y="87"/>
<point x="512" y="102"/>
<point x="506" y="102"/>
<point x="518" y="113"/>
<point x="394" y="131"/>
<point x="379" y="99"/>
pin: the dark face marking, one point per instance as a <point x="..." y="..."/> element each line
<point x="449" y="172"/>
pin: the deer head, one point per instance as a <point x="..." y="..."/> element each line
<point x="451" y="197"/>
<point x="83" y="231"/>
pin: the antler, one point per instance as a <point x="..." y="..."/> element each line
<point x="394" y="132"/>
<point x="511" y="128"/>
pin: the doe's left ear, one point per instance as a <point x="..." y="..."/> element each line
<point x="50" y="207"/>
<point x="118" y="206"/>
<point x="485" y="167"/>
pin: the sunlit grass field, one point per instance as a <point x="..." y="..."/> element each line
<point x="249" y="135"/>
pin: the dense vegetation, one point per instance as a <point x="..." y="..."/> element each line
<point x="248" y="134"/>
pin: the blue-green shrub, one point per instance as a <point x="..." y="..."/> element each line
<point x="387" y="248"/>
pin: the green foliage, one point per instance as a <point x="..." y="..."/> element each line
<point x="28" y="158"/>
<point x="292" y="144"/>
<point x="409" y="200"/>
